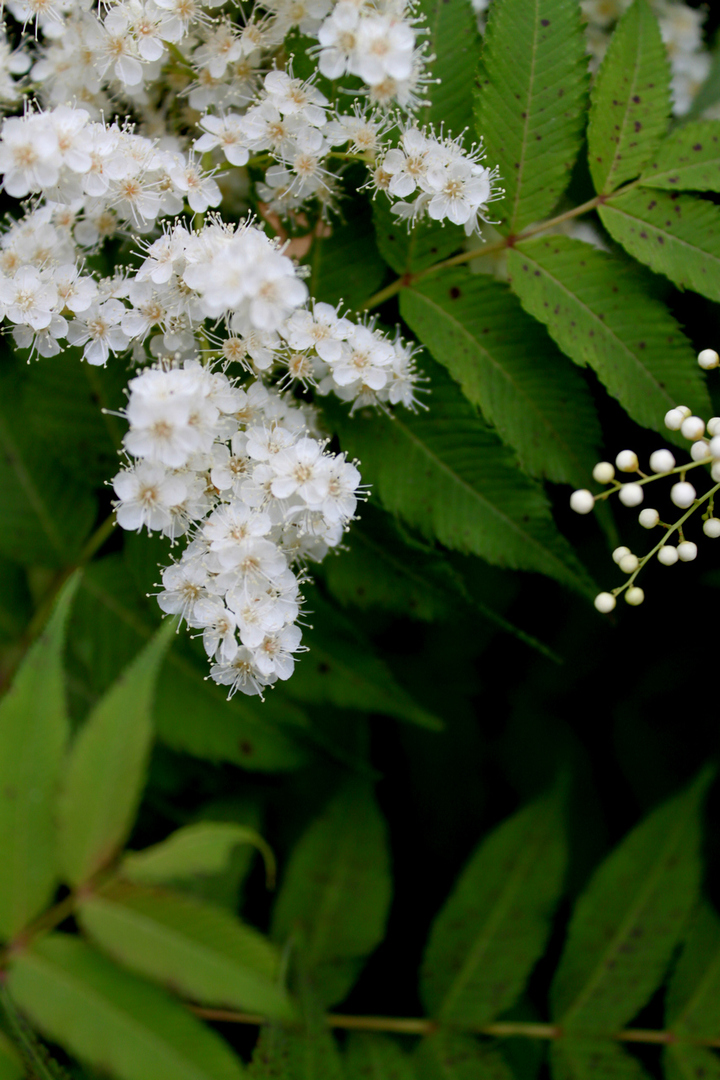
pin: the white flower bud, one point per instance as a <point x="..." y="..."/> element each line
<point x="692" y="428"/>
<point x="604" y="472"/>
<point x="687" y="551"/>
<point x="715" y="471"/>
<point x="629" y="564"/>
<point x="708" y="359"/>
<point x="661" y="461"/>
<point x="627" y="461"/>
<point x="648" y="518"/>
<point x="619" y="552"/>
<point x="674" y="419"/>
<point x="700" y="450"/>
<point x="582" y="501"/>
<point x="667" y="555"/>
<point x="711" y="528"/>
<point x="634" y="596"/>
<point x="715" y="446"/>
<point x="631" y="495"/>
<point x="713" y="425"/>
<point x="682" y="494"/>
<point x="605" y="602"/>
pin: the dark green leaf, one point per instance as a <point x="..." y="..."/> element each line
<point x="453" y="43"/>
<point x="509" y="368"/>
<point x="599" y="312"/>
<point x="15" y="600"/>
<point x="11" y="1067"/>
<point x="109" y="1018"/>
<point x="675" y="235"/>
<point x="408" y="251"/>
<point x="531" y="103"/>
<point x="447" y="475"/>
<point x="105" y="774"/>
<point x="628" y="921"/>
<point x="346" y="266"/>
<point x="683" y="1061"/>
<point x="691" y="1004"/>
<point x="630" y="101"/>
<point x="198" y="950"/>
<point x="449" y="1056"/>
<point x="688" y="160"/>
<point x="494" y="926"/>
<point x="33" y="734"/>
<point x="336" y="891"/>
<point x="376" y="1057"/>
<point x="593" y="1059"/>
<point x="307" y="1054"/>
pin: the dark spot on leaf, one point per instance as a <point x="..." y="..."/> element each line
<point x="697" y="146"/>
<point x="641" y="345"/>
<point x="636" y="99"/>
<point x="544" y="22"/>
<point x="323" y="668"/>
<point x="454" y="292"/>
<point x="638" y="125"/>
<point x="246" y="747"/>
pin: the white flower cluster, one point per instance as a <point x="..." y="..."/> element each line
<point x="704" y="451"/>
<point x="236" y="472"/>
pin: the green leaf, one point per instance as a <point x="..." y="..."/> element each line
<point x="11" y="1066"/>
<point x="112" y="1020"/>
<point x="408" y="251"/>
<point x="598" y="311"/>
<point x="495" y="924"/>
<point x="191" y="715"/>
<point x="688" y="160"/>
<point x="593" y="1059"/>
<point x="453" y="44"/>
<point x="447" y="475"/>
<point x="628" y="921"/>
<point x="287" y="1054"/>
<point x="691" y="1003"/>
<point x="532" y="102"/>
<point x="630" y="101"/>
<point x="105" y="774"/>
<point x="15" y="601"/>
<point x="683" y="1061"/>
<point x="450" y="1056"/>
<point x="676" y="235"/>
<point x="198" y="950"/>
<point x="342" y="669"/>
<point x="345" y="265"/>
<point x="33" y="734"/>
<point x="376" y="1057"/>
<point x="204" y="848"/>
<point x="336" y="891"/>
<point x="507" y="367"/>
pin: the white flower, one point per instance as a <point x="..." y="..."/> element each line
<point x="147" y="493"/>
<point x="99" y="331"/>
<point x="227" y="133"/>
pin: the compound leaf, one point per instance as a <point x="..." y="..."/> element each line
<point x="688" y="160"/>
<point x="599" y="313"/>
<point x="630" y="100"/>
<point x="494" y="926"/>
<point x="628" y="921"/>
<point x="114" y="1021"/>
<point x="531" y="102"/>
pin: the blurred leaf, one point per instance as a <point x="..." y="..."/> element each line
<point x="11" y="1066"/>
<point x="450" y="1056"/>
<point x="628" y="921"/>
<point x="447" y="475"/>
<point x="691" y="1002"/>
<point x="409" y="250"/>
<point x="593" y="1059"/>
<point x="532" y="103"/>
<point x="508" y="367"/>
<point x="109" y="1018"/>
<point x="630" y="100"/>
<point x="676" y="235"/>
<point x="453" y="46"/>
<point x="336" y="891"/>
<point x="105" y="774"/>
<point x="495" y="924"/>
<point x="683" y="1061"/>
<point x="204" y="848"/>
<point x="32" y="1055"/>
<point x="195" y="949"/>
<point x="15" y="600"/>
<point x="688" y="160"/>
<point x="599" y="312"/>
<point x="33" y="735"/>
<point x="291" y="1054"/>
<point x="376" y="1057"/>
<point x="346" y="266"/>
<point x="342" y="669"/>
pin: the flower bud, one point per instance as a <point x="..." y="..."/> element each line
<point x="667" y="555"/>
<point x="687" y="551"/>
<point x="692" y="428"/>
<point x="648" y="518"/>
<point x="661" y="461"/>
<point x="713" y="425"/>
<point x="711" y="528"/>
<point x="700" y="450"/>
<point x="715" y="471"/>
<point x="627" y="461"/>
<point x="582" y="501"/>
<point x="605" y="602"/>
<point x="715" y="446"/>
<point x="683" y="494"/>
<point x="619" y="552"/>
<point x="631" y="495"/>
<point x="603" y="473"/>
<point x="708" y="359"/>
<point x="629" y="564"/>
<point x="634" y="596"/>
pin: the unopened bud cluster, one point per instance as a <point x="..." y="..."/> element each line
<point x="630" y="486"/>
